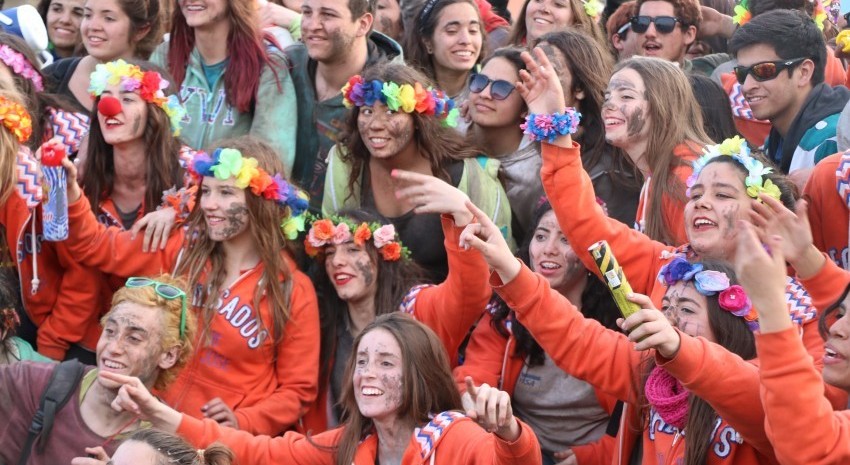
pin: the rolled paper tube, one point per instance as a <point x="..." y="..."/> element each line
<point x="613" y="276"/>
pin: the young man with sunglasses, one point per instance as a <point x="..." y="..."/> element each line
<point x="781" y="58"/>
<point x="666" y="28"/>
<point x="148" y="333"/>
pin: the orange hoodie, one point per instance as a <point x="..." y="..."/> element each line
<point x="607" y="360"/>
<point x="672" y="209"/>
<point x="451" y="438"/>
<point x="63" y="304"/>
<point x="449" y="309"/>
<point x="492" y="359"/>
<point x="828" y="192"/>
<point x="267" y="387"/>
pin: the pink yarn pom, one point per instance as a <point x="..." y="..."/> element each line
<point x="668" y="397"/>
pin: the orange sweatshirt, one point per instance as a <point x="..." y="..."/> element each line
<point x="63" y="305"/>
<point x="828" y="193"/>
<point x="672" y="209"/>
<point x="268" y="387"/>
<point x="451" y="438"/>
<point x="607" y="360"/>
<point x="449" y="309"/>
<point x="801" y="421"/>
<point x="491" y="359"/>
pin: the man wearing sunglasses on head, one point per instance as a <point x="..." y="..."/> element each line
<point x="147" y="333"/>
<point x="666" y="28"/>
<point x="781" y="58"/>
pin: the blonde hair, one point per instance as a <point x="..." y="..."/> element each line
<point x="9" y="147"/>
<point x="171" y="314"/>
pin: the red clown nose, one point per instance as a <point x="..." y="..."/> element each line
<point x="109" y="106"/>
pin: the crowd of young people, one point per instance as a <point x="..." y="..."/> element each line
<point x="345" y="231"/>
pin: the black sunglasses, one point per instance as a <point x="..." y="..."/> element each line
<point x="663" y="24"/>
<point x="766" y="70"/>
<point x="500" y="90"/>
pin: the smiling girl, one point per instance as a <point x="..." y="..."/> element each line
<point x="539" y="17"/>
<point x="258" y="312"/>
<point x="62" y="18"/>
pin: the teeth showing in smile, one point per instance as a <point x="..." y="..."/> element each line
<point x="464" y="53"/>
<point x="112" y="122"/>
<point x="542" y="21"/>
<point x="112" y="365"/>
<point x="830" y="353"/>
<point x="196" y="8"/>
<point x="704" y="222"/>
<point x="371" y="391"/>
<point x="550" y="266"/>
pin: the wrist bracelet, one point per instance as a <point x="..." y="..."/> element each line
<point x="550" y="127"/>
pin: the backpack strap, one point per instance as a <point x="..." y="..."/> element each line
<point x="63" y="382"/>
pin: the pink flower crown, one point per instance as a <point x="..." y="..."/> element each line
<point x="400" y="97"/>
<point x="338" y="230"/>
<point x="732" y="298"/>
<point x="18" y="63"/>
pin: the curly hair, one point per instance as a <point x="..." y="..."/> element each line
<point x="686" y="10"/>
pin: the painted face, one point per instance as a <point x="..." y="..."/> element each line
<point x="131" y="343"/>
<point x="626" y="110"/>
<point x="63" y="23"/>
<point x="203" y="13"/>
<point x="545" y="16"/>
<point x="106" y="30"/>
<point x="456" y="43"/>
<point x="328" y="30"/>
<point x="388" y="19"/>
<point x="135" y="453"/>
<point x="671" y="46"/>
<point x="127" y="126"/>
<point x="386" y="133"/>
<point x="552" y="256"/>
<point x="378" y="375"/>
<point x="718" y="200"/>
<point x="836" y="360"/>
<point x="352" y="272"/>
<point x="774" y="98"/>
<point x="687" y="310"/>
<point x="559" y="61"/>
<point x="489" y="112"/>
<point x="225" y="210"/>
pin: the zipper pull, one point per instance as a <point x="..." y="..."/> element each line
<point x="676" y="437"/>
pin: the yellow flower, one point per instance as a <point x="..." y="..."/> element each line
<point x="768" y="187"/>
<point x="731" y="146"/>
<point x="247" y="172"/>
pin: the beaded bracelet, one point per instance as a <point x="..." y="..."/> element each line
<point x="549" y="127"/>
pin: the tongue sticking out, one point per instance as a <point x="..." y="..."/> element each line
<point x="109" y="106"/>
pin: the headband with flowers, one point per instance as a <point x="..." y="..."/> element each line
<point x="737" y="148"/>
<point x="21" y="66"/>
<point x="732" y="298"/>
<point x="226" y="163"/>
<point x="401" y="97"/>
<point x="16" y="119"/>
<point x="338" y="230"/>
<point x="149" y="84"/>
<point x="742" y="13"/>
<point x="593" y="8"/>
<point x="819" y="12"/>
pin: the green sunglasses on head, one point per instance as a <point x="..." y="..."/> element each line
<point x="166" y="291"/>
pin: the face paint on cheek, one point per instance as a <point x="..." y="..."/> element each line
<point x="235" y="216"/>
<point x="730" y="215"/>
<point x="392" y="388"/>
<point x="137" y="124"/>
<point x="366" y="271"/>
<point x="689" y="327"/>
<point x="635" y="122"/>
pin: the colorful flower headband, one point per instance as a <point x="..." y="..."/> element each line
<point x="228" y="163"/>
<point x="16" y="119"/>
<point x="732" y="298"/>
<point x="742" y="13"/>
<point x="149" y="84"/>
<point x="593" y="8"/>
<point x="405" y="97"/>
<point x="819" y="13"/>
<point x="737" y="148"/>
<point x="21" y="66"/>
<point x="338" y="230"/>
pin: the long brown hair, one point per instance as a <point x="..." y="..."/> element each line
<point x="440" y="145"/>
<point x="162" y="167"/>
<point x="9" y="147"/>
<point x="203" y="259"/>
<point x="581" y="22"/>
<point x="245" y="50"/>
<point x="426" y="376"/>
<point x="676" y="119"/>
<point x="733" y="334"/>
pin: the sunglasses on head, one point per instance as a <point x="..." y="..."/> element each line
<point x="500" y="89"/>
<point x="663" y="24"/>
<point x="166" y="291"/>
<point x="766" y="70"/>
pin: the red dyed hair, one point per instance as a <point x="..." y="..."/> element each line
<point x="245" y="49"/>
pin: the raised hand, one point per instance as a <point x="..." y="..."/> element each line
<point x="432" y="195"/>
<point x="772" y="217"/>
<point x="763" y="276"/>
<point x="485" y="237"/>
<point x="539" y="85"/>
<point x="157" y="226"/>
<point x="649" y="328"/>
<point x="492" y="410"/>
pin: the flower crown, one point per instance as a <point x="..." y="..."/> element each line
<point x="148" y="84"/>
<point x="21" y="66"/>
<point x="819" y="13"/>
<point x="16" y="119"/>
<point x="742" y="13"/>
<point x="400" y="97"/>
<point x="737" y="148"/>
<point x="228" y="163"/>
<point x="338" y="230"/>
<point x="593" y="8"/>
<point x="732" y="298"/>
